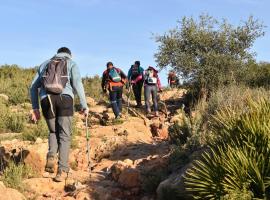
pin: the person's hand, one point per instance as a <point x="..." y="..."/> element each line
<point x="35" y="115"/>
<point x="85" y="112"/>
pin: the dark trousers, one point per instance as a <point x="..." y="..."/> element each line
<point x="116" y="99"/>
<point x="137" y="90"/>
<point x="58" y="112"/>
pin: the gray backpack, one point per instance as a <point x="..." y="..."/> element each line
<point x="55" y="77"/>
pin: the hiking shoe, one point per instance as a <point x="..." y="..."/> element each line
<point x="156" y="114"/>
<point x="118" y="117"/>
<point x="50" y="164"/>
<point x="61" y="176"/>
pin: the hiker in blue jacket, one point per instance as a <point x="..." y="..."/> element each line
<point x="135" y="77"/>
<point x="57" y="106"/>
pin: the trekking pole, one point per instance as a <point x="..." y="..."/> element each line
<point x="129" y="89"/>
<point x="88" y="146"/>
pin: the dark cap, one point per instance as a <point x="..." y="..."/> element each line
<point x="109" y="64"/>
<point x="137" y="63"/>
<point x="64" y="50"/>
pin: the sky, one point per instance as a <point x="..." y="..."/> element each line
<point x="98" y="31"/>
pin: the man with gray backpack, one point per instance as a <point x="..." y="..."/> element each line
<point x="55" y="81"/>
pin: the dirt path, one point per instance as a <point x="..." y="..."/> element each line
<point x="120" y="152"/>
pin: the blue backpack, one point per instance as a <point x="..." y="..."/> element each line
<point x="114" y="75"/>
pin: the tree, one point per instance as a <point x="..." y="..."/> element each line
<point x="208" y="52"/>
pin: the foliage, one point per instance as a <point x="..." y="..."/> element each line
<point x="190" y="132"/>
<point x="238" y="161"/>
<point x="16" y="122"/>
<point x="258" y="75"/>
<point x="11" y="121"/>
<point x="14" y="174"/>
<point x="92" y="86"/>
<point x="38" y="130"/>
<point x="15" y="83"/>
<point x="208" y="53"/>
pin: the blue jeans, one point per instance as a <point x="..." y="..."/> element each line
<point x="150" y="90"/>
<point x="116" y="100"/>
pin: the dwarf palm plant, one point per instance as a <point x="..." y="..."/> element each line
<point x="239" y="159"/>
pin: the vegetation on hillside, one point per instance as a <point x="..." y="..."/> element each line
<point x="228" y="123"/>
<point x="209" y="53"/>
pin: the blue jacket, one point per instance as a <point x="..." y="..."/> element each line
<point x="74" y="77"/>
<point x="141" y="70"/>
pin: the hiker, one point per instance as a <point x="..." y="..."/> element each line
<point x="135" y="77"/>
<point x="152" y="85"/>
<point x="57" y="106"/>
<point x="173" y="80"/>
<point x="113" y="79"/>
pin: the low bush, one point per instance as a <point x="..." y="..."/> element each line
<point x="14" y="174"/>
<point x="38" y="130"/>
<point x="238" y="161"/>
<point x="16" y="122"/>
<point x="15" y="83"/>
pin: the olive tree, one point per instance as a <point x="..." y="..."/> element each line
<point x="207" y="52"/>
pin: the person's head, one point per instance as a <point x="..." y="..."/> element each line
<point x="137" y="63"/>
<point x="64" y="50"/>
<point x="109" y="65"/>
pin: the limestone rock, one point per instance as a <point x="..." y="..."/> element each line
<point x="9" y="193"/>
<point x="5" y="97"/>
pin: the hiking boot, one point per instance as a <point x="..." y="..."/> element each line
<point x="119" y="116"/>
<point x="61" y="176"/>
<point x="50" y="164"/>
<point x="156" y="114"/>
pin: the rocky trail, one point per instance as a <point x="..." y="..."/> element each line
<point x="123" y="154"/>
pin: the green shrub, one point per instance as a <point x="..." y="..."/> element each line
<point x="3" y="116"/>
<point x="16" y="122"/>
<point x="15" y="83"/>
<point x="191" y="132"/>
<point x="38" y="130"/>
<point x="14" y="174"/>
<point x="92" y="87"/>
<point x="239" y="157"/>
<point x="234" y="97"/>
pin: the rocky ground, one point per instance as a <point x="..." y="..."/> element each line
<point x="123" y="154"/>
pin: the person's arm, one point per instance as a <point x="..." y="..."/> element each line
<point x="78" y="86"/>
<point x="36" y="84"/>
